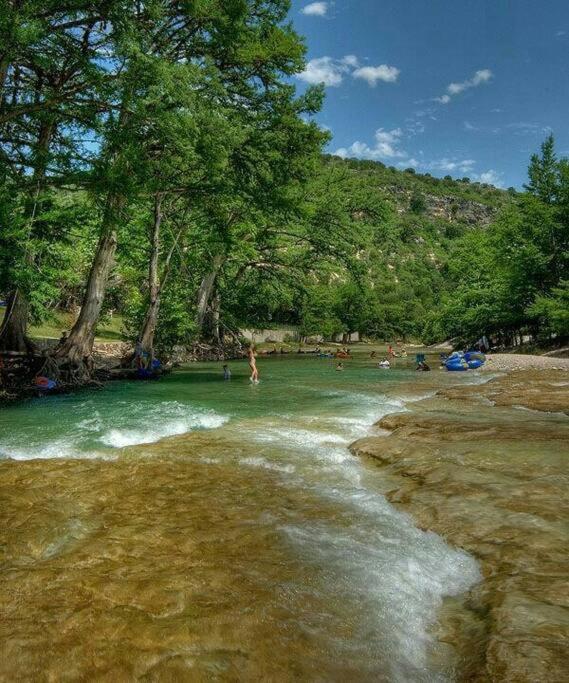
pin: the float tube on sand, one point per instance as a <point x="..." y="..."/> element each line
<point x="459" y="362"/>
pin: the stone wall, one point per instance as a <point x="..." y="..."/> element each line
<point x="280" y="336"/>
<point x="277" y="336"/>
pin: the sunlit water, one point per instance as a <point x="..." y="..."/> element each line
<point x="249" y="545"/>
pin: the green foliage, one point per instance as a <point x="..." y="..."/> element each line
<point x="512" y="277"/>
<point x="418" y="204"/>
<point x="543" y="173"/>
<point x="189" y="107"/>
<point x="424" y="183"/>
<point x="552" y="311"/>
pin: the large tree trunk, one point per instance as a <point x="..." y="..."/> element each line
<point x="215" y="315"/>
<point x="151" y="317"/>
<point x="13" y="330"/>
<point x="206" y="290"/>
<point x="79" y="344"/>
<point x="156" y="282"/>
<point x="13" y="333"/>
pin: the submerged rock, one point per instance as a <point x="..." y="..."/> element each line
<point x="492" y="479"/>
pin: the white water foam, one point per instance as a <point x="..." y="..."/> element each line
<point x="61" y="448"/>
<point x="119" y="438"/>
<point x="383" y="559"/>
<point x="133" y="423"/>
<point x="379" y="556"/>
<point x="318" y="444"/>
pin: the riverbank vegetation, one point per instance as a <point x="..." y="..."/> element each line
<point x="512" y="279"/>
<point x="157" y="164"/>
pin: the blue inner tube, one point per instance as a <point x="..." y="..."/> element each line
<point x="474" y="355"/>
<point x="456" y="367"/>
<point x="475" y="363"/>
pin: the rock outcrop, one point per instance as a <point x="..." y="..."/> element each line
<point x="448" y="208"/>
<point x="493" y="479"/>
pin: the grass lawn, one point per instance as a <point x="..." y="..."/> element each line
<point x="110" y="331"/>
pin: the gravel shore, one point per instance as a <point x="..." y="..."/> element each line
<point x="505" y="362"/>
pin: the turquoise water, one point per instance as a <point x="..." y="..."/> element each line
<point x="277" y="466"/>
<point x="197" y="397"/>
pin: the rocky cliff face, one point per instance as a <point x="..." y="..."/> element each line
<point x="448" y="208"/>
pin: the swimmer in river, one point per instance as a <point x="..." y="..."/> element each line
<point x="339" y="367"/>
<point x="422" y="366"/>
<point x="226" y="372"/>
<point x="252" y="358"/>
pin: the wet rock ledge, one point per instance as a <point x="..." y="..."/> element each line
<point x="487" y="468"/>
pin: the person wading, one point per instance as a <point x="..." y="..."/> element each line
<point x="252" y="358"/>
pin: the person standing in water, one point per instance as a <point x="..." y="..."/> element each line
<point x="252" y="358"/>
<point x="226" y="373"/>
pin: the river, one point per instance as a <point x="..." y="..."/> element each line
<point x="201" y="529"/>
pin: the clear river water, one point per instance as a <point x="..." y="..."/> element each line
<point x="200" y="529"/>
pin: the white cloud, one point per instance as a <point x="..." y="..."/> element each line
<point x="469" y="126"/>
<point x="386" y="146"/>
<point x="524" y="128"/>
<point x="490" y="177"/>
<point x="451" y="165"/>
<point x="351" y="60"/>
<point x="315" y="9"/>
<point x="412" y="162"/>
<point x="415" y="127"/>
<point x="386" y="142"/>
<point x="324" y="70"/>
<point x="480" y="77"/>
<point x="331" y="71"/>
<point x="373" y="74"/>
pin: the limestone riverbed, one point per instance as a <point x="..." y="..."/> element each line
<point x="196" y="529"/>
<point x="486" y="467"/>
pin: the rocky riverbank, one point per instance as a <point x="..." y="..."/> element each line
<point x="486" y="467"/>
<point x="17" y="379"/>
<point x="506" y="362"/>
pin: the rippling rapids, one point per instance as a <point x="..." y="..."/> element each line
<point x="196" y="529"/>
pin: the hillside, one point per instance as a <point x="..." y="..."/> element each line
<point x="453" y="200"/>
<point x="408" y="225"/>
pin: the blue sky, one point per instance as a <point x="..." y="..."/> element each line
<point x="464" y="87"/>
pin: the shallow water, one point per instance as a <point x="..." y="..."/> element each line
<point x="248" y="545"/>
